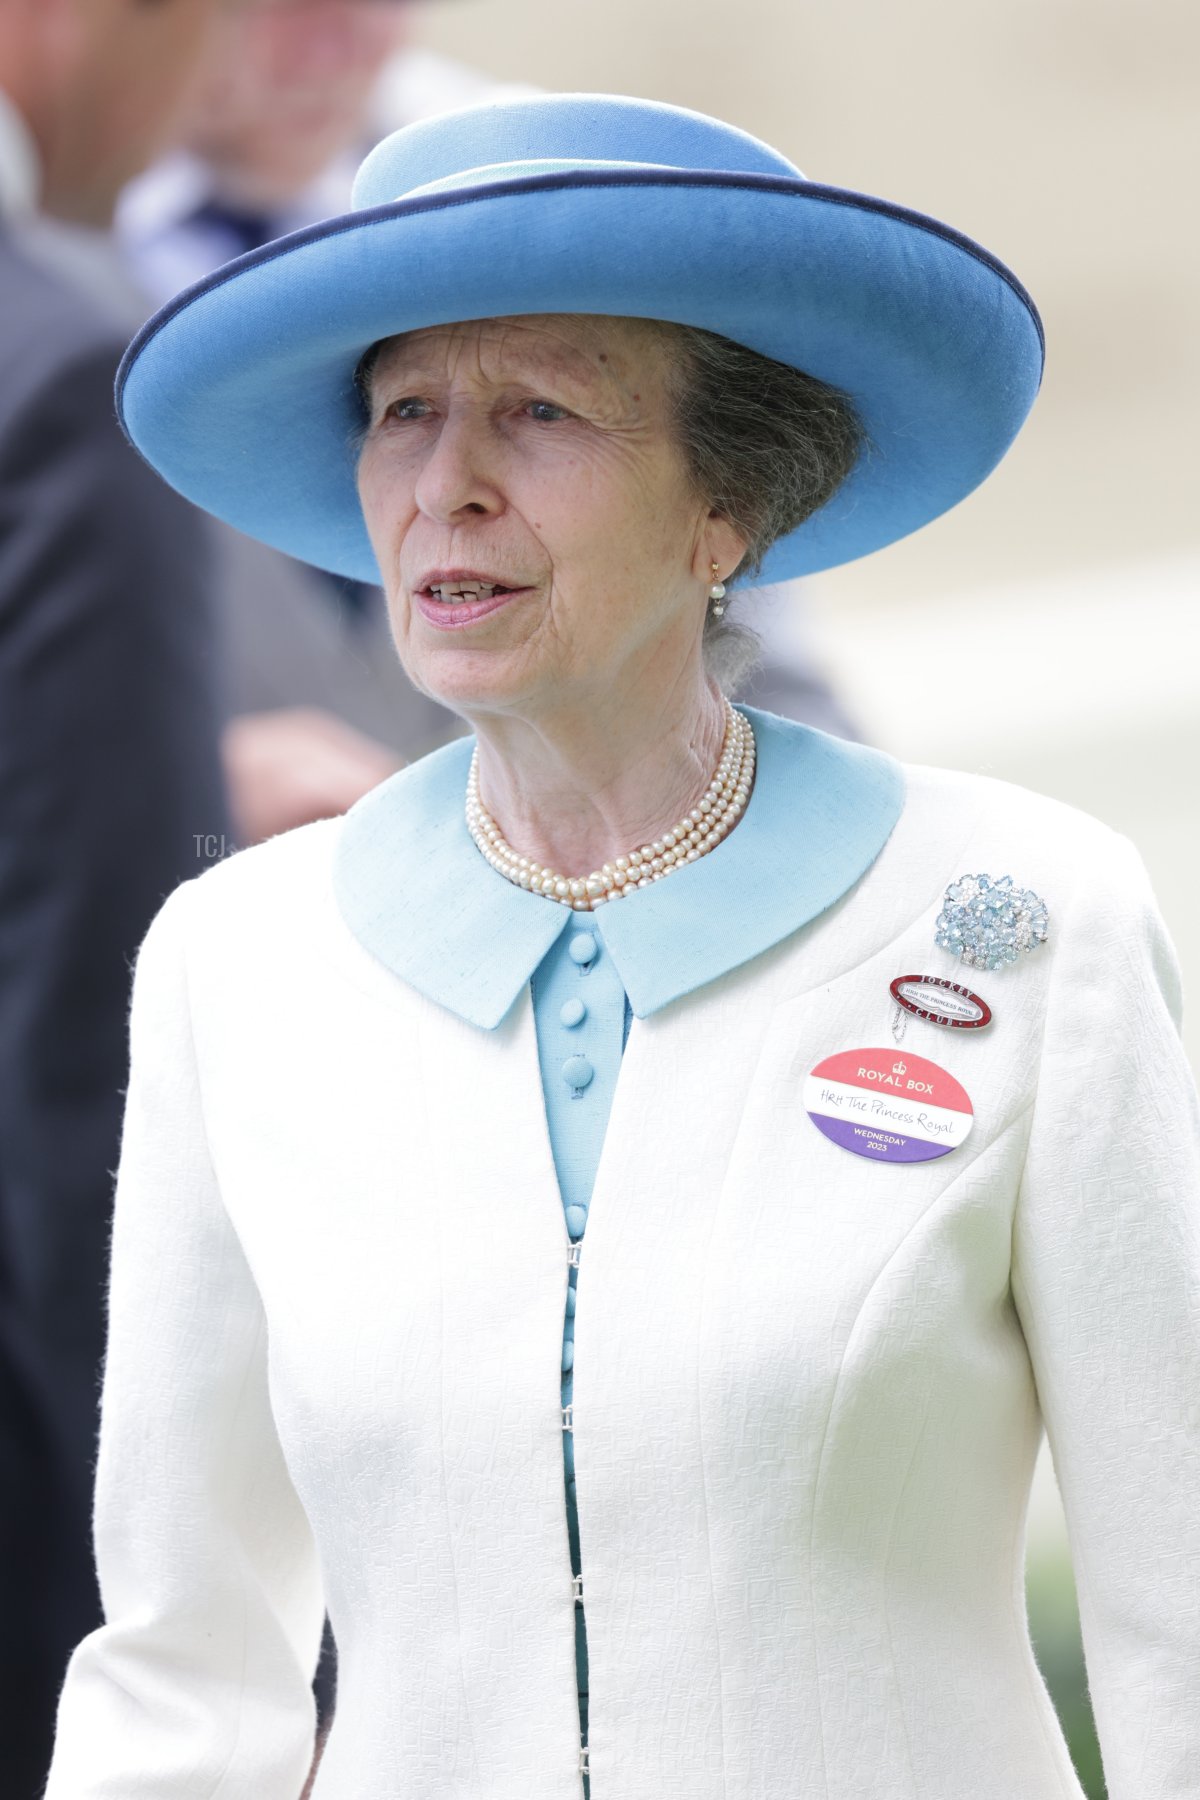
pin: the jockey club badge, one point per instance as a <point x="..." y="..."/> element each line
<point x="940" y="1002"/>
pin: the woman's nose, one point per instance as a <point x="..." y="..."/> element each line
<point x="456" y="478"/>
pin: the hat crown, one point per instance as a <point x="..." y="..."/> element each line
<point x="562" y="129"/>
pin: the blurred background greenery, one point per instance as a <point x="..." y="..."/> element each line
<point x="1054" y="1625"/>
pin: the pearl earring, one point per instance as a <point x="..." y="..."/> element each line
<point x="716" y="592"/>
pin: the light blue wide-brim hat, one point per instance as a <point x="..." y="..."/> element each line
<point x="241" y="392"/>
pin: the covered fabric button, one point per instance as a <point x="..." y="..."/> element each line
<point x="577" y="1072"/>
<point x="576" y="1217"/>
<point x="572" y="1012"/>
<point x="582" y="947"/>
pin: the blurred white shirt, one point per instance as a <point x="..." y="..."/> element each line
<point x="20" y="174"/>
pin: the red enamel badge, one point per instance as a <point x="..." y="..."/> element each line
<point x="941" y="1002"/>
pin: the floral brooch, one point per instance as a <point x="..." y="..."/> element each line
<point x="989" y="923"/>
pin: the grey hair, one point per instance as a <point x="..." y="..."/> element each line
<point x="765" y="446"/>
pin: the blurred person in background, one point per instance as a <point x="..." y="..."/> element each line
<point x="294" y="94"/>
<point x="109" y="772"/>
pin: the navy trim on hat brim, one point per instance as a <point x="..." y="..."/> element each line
<point x="398" y="209"/>
<point x="932" y="459"/>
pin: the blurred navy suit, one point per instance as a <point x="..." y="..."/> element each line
<point x="109" y="772"/>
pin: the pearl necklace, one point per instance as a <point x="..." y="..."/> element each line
<point x="712" y="818"/>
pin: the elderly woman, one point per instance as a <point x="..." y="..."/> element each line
<point x="611" y="1217"/>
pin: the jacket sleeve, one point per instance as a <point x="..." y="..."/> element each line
<point x="199" y="1681"/>
<point x="1106" y="1280"/>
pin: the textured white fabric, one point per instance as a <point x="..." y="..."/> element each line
<point x="807" y="1386"/>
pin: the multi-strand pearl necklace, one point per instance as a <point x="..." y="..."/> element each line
<point x="712" y="818"/>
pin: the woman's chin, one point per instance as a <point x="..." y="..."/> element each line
<point x="469" y="678"/>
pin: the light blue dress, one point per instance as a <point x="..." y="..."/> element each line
<point x="820" y="812"/>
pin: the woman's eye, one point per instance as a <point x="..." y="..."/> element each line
<point x="408" y="408"/>
<point x="546" y="412"/>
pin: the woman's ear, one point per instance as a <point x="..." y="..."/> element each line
<point x="719" y="542"/>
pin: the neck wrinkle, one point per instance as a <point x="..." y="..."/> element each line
<point x="584" y="818"/>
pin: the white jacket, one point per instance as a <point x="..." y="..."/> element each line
<point x="809" y="1388"/>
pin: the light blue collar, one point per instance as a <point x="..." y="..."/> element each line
<point x="417" y="894"/>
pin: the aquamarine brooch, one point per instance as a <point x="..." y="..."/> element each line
<point x="988" y="923"/>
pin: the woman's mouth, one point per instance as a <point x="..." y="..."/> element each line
<point x="451" y="603"/>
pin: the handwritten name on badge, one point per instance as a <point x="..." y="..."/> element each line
<point x="890" y="1108"/>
